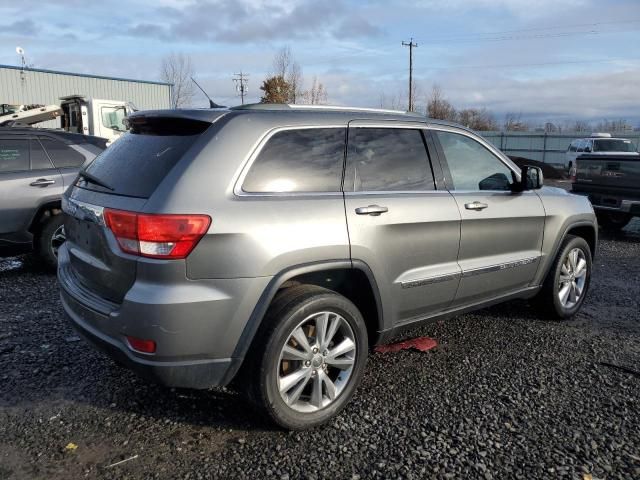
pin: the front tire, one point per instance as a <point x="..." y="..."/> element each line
<point x="49" y="240"/>
<point x="309" y="358"/>
<point x="567" y="283"/>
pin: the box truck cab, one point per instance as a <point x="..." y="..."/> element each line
<point x="92" y="116"/>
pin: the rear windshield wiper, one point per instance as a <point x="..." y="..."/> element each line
<point x="95" y="180"/>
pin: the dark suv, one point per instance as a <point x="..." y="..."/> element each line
<point x="275" y="244"/>
<point x="36" y="166"/>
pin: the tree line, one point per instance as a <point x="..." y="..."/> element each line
<point x="285" y="84"/>
<point x="437" y="106"/>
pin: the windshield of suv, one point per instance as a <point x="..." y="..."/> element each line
<point x="613" y="145"/>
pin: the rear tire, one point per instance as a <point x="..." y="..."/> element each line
<point x="567" y="282"/>
<point x="613" y="221"/>
<point x="49" y="239"/>
<point x="297" y="375"/>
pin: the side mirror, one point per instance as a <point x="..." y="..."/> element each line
<point x="531" y="178"/>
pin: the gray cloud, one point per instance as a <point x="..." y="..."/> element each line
<point x="235" y="21"/>
<point x="21" y="27"/>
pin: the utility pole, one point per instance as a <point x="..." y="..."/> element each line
<point x="410" y="45"/>
<point x="241" y="79"/>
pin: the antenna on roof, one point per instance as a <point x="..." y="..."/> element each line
<point x="212" y="104"/>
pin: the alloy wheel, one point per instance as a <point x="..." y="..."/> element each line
<point x="316" y="362"/>
<point x="573" y="277"/>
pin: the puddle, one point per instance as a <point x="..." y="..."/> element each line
<point x="9" y="264"/>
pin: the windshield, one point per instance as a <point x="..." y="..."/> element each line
<point x="613" y="145"/>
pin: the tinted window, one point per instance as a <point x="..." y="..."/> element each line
<point x="137" y="162"/>
<point x="471" y="165"/>
<point x="305" y="160"/>
<point x="39" y="159"/>
<point x="61" y="155"/>
<point x="614" y="145"/>
<point x="387" y="159"/>
<point x="14" y="155"/>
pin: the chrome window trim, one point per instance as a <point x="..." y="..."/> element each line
<point x="488" y="145"/>
<point x="237" y="188"/>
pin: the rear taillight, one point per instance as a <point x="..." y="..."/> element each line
<point x="156" y="236"/>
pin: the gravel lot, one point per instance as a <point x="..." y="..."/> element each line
<point x="505" y="395"/>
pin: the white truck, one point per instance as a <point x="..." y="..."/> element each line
<point x="92" y="116"/>
<point x="77" y="113"/>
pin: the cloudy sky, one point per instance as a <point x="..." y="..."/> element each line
<point x="548" y="59"/>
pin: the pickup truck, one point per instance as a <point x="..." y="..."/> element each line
<point x="612" y="183"/>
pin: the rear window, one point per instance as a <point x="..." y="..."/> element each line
<point x="137" y="162"/>
<point x="625" y="146"/>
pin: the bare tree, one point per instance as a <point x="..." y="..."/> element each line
<point x="581" y="126"/>
<point x="513" y="123"/>
<point x="438" y="106"/>
<point x="177" y="69"/>
<point x="285" y="66"/>
<point x="477" y="119"/>
<point x="392" y="102"/>
<point x="316" y="95"/>
<point x="613" y="126"/>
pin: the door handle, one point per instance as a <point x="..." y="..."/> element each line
<point x="475" y="206"/>
<point x="373" y="210"/>
<point x="42" y="182"/>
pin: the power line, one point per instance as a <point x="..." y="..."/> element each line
<point x="411" y="45"/>
<point x="241" y="80"/>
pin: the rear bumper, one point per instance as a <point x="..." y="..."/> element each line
<point x="183" y="374"/>
<point x="613" y="203"/>
<point x="196" y="325"/>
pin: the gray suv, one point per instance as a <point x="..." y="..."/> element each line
<point x="36" y="166"/>
<point x="273" y="245"/>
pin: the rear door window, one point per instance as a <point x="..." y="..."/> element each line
<point x="62" y="155"/>
<point x="299" y="160"/>
<point x="39" y="159"/>
<point x="14" y="154"/>
<point x="387" y="159"/>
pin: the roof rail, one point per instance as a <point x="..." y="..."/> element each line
<point x="329" y="108"/>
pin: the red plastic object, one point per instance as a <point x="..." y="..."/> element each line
<point x="422" y="344"/>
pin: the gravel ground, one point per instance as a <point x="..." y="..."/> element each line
<point x="504" y="395"/>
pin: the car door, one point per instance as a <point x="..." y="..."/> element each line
<point x="28" y="180"/>
<point x="501" y="231"/>
<point x="400" y="225"/>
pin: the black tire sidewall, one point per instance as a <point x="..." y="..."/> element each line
<point x="43" y="246"/>
<point x="570" y="244"/>
<point x="277" y="408"/>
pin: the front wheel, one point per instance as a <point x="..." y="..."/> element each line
<point x="567" y="283"/>
<point x="311" y="357"/>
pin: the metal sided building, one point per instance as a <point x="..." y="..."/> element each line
<point x="36" y="86"/>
